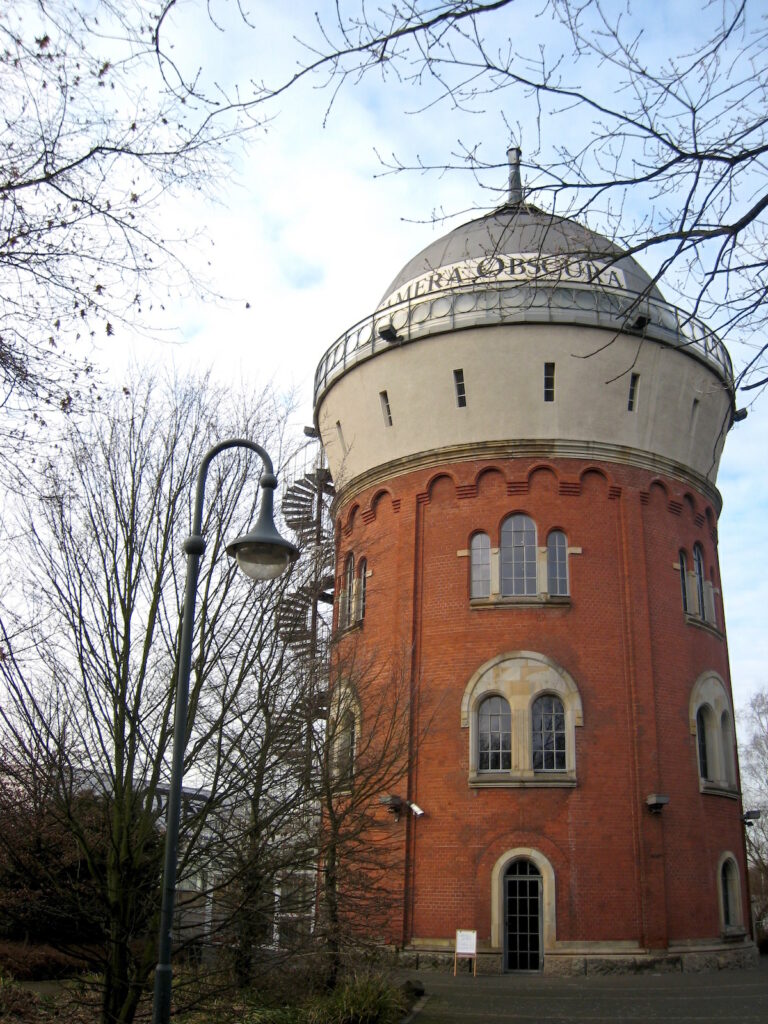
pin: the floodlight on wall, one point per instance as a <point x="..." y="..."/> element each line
<point x="388" y="333"/>
<point x="394" y="804"/>
<point x="656" y="802"/>
<point x="750" y="817"/>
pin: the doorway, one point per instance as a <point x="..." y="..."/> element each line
<point x="522" y="917"/>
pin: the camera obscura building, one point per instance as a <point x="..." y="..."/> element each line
<point x="524" y="439"/>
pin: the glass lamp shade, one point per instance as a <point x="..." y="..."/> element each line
<point x="262" y="559"/>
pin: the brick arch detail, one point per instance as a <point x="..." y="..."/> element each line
<point x="437" y="477"/>
<point x="369" y="514"/>
<point x="349" y="520"/>
<point x="493" y="468"/>
<point x="594" y="467"/>
<point x="542" y="467"/>
<point x="548" y="916"/>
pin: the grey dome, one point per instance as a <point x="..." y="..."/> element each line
<point x="524" y="229"/>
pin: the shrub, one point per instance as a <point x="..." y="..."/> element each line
<point x="361" y="999"/>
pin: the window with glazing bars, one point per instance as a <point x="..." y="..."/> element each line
<point x="557" y="564"/>
<point x="683" y="561"/>
<point x="548" y="734"/>
<point x="494" y="735"/>
<point x="362" y="572"/>
<point x="701" y="738"/>
<point x="518" y="556"/>
<point x="698" y="568"/>
<point x="480" y="558"/>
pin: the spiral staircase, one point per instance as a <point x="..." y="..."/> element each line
<point x="304" y="616"/>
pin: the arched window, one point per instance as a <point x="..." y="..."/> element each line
<point x="557" y="564"/>
<point x="346" y="611"/>
<point x="698" y="568"/>
<point x="494" y="735"/>
<point x="730" y="895"/>
<point x="362" y="570"/>
<point x="543" y="702"/>
<point x="480" y="552"/>
<point x="683" y="561"/>
<point x="548" y="734"/>
<point x="345" y="747"/>
<point x="726" y="738"/>
<point x="711" y="724"/>
<point x="703" y="740"/>
<point x="518" y="557"/>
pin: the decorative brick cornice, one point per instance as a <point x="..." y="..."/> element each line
<point x="548" y="450"/>
<point x="570" y="487"/>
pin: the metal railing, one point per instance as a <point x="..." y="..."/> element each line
<point x="521" y="302"/>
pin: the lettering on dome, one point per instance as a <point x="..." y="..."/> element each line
<point x="524" y="266"/>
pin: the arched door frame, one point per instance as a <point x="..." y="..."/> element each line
<point x="548" y="920"/>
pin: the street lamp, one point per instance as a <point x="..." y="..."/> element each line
<point x="262" y="554"/>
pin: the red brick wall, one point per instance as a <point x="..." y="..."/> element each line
<point x="621" y="873"/>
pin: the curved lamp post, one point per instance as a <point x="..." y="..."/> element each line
<point x="262" y="554"/>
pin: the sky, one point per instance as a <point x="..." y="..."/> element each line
<point x="308" y="229"/>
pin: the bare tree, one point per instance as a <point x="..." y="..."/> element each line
<point x="90" y="651"/>
<point x="662" y="150"/>
<point x="361" y="781"/>
<point x="754" y="776"/>
<point x="100" y="121"/>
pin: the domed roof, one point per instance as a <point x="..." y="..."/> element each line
<point x="522" y="230"/>
<point x="520" y="265"/>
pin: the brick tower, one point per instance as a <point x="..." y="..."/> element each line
<point x="524" y="440"/>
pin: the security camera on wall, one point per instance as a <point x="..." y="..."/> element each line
<point x="416" y="810"/>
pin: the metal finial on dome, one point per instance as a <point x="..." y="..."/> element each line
<point x="515" y="182"/>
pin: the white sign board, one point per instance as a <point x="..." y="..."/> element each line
<point x="466" y="943"/>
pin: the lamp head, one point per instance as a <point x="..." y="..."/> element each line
<point x="262" y="553"/>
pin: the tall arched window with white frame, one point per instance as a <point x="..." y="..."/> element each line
<point x="494" y="735"/>
<point x="557" y="564"/>
<point x="704" y="742"/>
<point x="346" y="608"/>
<point x="683" y="563"/>
<point x="480" y="570"/>
<point x="518" y="557"/>
<point x="698" y="568"/>
<point x="362" y="573"/>
<point x="548" y="734"/>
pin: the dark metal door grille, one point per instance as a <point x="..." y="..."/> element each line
<point x="522" y="914"/>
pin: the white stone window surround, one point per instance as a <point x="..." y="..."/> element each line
<point x="709" y="694"/>
<point x="520" y="677"/>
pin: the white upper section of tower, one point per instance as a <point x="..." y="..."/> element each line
<point x="521" y="331"/>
